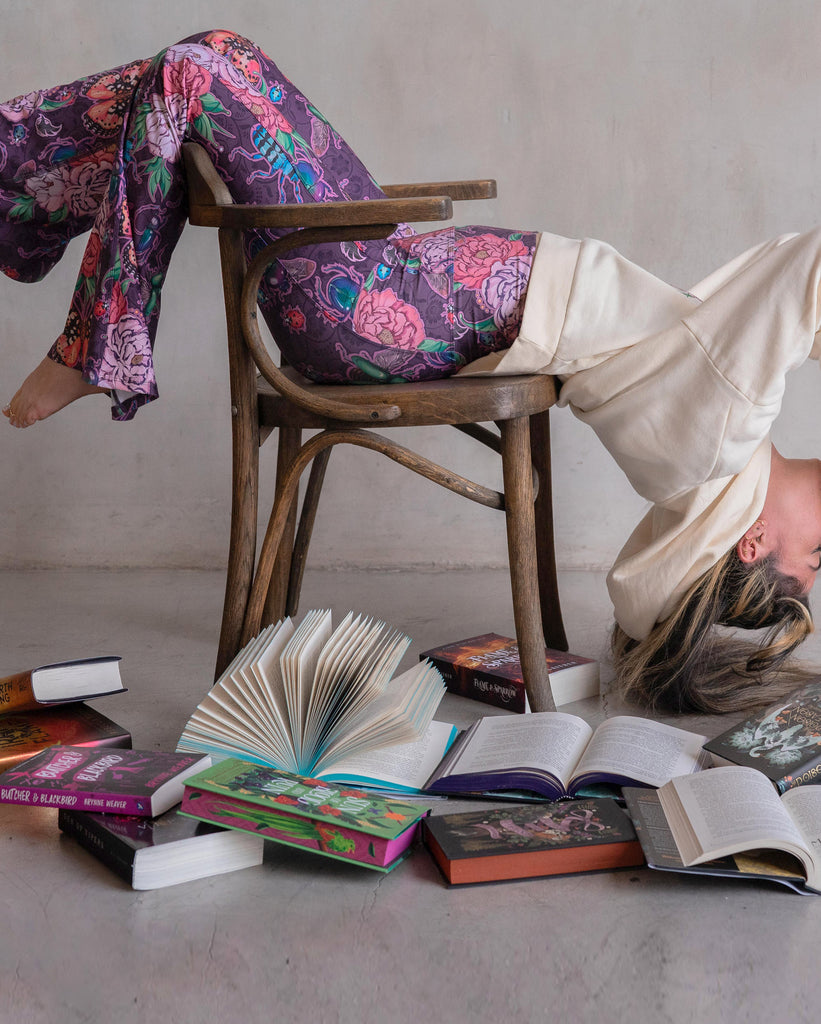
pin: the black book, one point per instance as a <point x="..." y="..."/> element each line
<point x="783" y="741"/>
<point x="150" y="853"/>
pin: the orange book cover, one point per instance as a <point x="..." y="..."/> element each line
<point x="27" y="733"/>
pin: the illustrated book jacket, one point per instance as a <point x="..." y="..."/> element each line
<point x="487" y="668"/>
<point x="783" y="741"/>
<point x="142" y="782"/>
<point x="346" y="824"/>
<point x="516" y="841"/>
<point x="26" y="733"/>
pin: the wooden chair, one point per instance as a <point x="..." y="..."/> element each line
<point x="267" y="397"/>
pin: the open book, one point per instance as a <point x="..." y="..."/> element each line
<point x="302" y="698"/>
<point x="731" y="821"/>
<point x="556" y="754"/>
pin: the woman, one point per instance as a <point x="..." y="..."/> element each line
<point x="681" y="387"/>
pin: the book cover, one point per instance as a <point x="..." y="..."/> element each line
<point x="661" y="852"/>
<point x="487" y="668"/>
<point x="27" y="733"/>
<point x="95" y="778"/>
<point x="151" y="853"/>
<point x="339" y="822"/>
<point x="532" y="840"/>
<point x="783" y="741"/>
<point x="59" y="683"/>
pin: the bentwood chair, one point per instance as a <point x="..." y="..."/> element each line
<point x="265" y="397"/>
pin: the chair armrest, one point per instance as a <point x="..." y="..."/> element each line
<point x="332" y="214"/>
<point x="480" y="188"/>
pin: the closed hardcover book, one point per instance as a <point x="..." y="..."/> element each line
<point x="487" y="668"/>
<point x="60" y="683"/>
<point x="141" y="782"/>
<point x="151" y="853"/>
<point x="26" y="733"/>
<point x="338" y="822"/>
<point x="532" y="840"/>
<point x="783" y="741"/>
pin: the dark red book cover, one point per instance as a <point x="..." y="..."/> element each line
<point x="26" y="733"/>
<point x="487" y="668"/>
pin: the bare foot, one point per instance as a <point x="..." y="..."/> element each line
<point x="48" y="388"/>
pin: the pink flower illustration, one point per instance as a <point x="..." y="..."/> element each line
<point x="476" y="256"/>
<point x="434" y="251"/>
<point x="387" y="320"/>
<point x="189" y="81"/>
<point x="20" y="107"/>
<point x="502" y="291"/>
<point x="79" y="186"/>
<point x="165" y="125"/>
<point x="127" y="360"/>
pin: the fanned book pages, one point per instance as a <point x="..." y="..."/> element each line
<point x="303" y="698"/>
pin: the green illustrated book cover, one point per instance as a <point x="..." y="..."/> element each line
<point x="337" y="821"/>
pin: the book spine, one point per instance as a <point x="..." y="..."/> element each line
<point x="808" y="775"/>
<point x="482" y="686"/>
<point x="113" y="803"/>
<point x="99" y="842"/>
<point x="16" y="694"/>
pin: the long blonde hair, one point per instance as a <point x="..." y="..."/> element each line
<point x="686" y="664"/>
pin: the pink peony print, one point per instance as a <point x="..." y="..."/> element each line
<point x="20" y="107"/>
<point x="434" y="251"/>
<point x="164" y="126"/>
<point x="477" y="255"/>
<point x="387" y="320"/>
<point x="503" y="290"/>
<point x="79" y="185"/>
<point x="188" y="81"/>
<point x="127" y="360"/>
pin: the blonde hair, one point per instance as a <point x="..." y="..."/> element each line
<point x="686" y="664"/>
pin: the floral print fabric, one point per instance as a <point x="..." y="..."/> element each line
<point x="103" y="155"/>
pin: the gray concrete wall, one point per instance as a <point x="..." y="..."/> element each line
<point x="680" y="132"/>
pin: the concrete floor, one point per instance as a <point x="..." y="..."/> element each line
<point x="308" y="939"/>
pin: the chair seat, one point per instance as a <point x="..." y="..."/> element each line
<point x="426" y="403"/>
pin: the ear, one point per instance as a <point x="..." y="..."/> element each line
<point x="751" y="547"/>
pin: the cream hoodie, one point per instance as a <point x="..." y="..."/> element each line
<point x="681" y="388"/>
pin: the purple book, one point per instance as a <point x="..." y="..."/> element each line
<point x="138" y="782"/>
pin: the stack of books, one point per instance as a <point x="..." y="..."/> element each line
<point x="121" y="805"/>
<point x="44" y="706"/>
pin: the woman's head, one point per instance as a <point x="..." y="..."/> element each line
<point x="686" y="664"/>
<point x="788" y="530"/>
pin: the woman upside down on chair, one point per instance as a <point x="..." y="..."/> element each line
<point x="681" y="387"/>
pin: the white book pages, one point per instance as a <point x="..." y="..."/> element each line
<point x="298" y="662"/>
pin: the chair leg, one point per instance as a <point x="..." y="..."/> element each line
<point x="521" y="542"/>
<point x="307" y="519"/>
<point x="289" y="442"/>
<point x="552" y="621"/>
<point x="242" y="544"/>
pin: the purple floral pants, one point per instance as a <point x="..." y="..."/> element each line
<point x="104" y="155"/>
